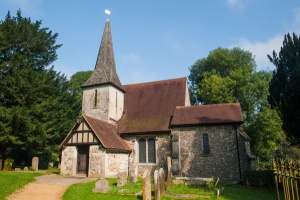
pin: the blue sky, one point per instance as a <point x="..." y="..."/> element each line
<point x="157" y="40"/>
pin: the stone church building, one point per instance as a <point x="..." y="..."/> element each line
<point x="131" y="128"/>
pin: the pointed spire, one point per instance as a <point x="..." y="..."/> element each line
<point x="105" y="68"/>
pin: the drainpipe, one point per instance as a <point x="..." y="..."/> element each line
<point x="238" y="150"/>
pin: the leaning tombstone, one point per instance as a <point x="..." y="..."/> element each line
<point x="101" y="186"/>
<point x="161" y="174"/>
<point x="146" y="186"/>
<point x="156" y="186"/>
<point x="8" y="163"/>
<point x="122" y="179"/>
<point x="35" y="163"/>
<point x="169" y="173"/>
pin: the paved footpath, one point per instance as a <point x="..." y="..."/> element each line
<point x="47" y="187"/>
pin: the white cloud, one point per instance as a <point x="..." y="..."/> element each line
<point x="261" y="49"/>
<point x="131" y="57"/>
<point x="237" y="4"/>
<point x="31" y="7"/>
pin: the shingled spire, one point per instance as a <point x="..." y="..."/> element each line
<point x="105" y="69"/>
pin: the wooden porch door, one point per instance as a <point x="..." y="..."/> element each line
<point x="83" y="160"/>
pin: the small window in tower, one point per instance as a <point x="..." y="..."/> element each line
<point x="116" y="102"/>
<point x="95" y="99"/>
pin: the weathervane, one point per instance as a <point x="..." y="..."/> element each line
<point x="107" y="12"/>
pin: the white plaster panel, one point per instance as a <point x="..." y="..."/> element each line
<point x="116" y="162"/>
<point x="69" y="161"/>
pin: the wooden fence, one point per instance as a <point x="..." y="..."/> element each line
<point x="287" y="174"/>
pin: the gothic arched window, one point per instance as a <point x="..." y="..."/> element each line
<point x="147" y="150"/>
<point x="206" y="148"/>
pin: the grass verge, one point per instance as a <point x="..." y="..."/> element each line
<point x="231" y="192"/>
<point x="12" y="181"/>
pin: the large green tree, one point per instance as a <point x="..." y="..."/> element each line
<point x="285" y="85"/>
<point x="228" y="75"/>
<point x="75" y="83"/>
<point x="35" y="105"/>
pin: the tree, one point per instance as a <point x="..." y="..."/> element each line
<point x="285" y="85"/>
<point x="228" y="75"/>
<point x="266" y="134"/>
<point x="75" y="83"/>
<point x="34" y="99"/>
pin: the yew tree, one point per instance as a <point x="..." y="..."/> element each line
<point x="285" y="85"/>
<point x="35" y="105"/>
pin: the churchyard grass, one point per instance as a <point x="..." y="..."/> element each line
<point x="12" y="181"/>
<point x="231" y="192"/>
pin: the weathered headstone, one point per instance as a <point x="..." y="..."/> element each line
<point x="122" y="179"/>
<point x="146" y="185"/>
<point x="8" y="164"/>
<point x="102" y="186"/>
<point x="50" y="165"/>
<point x="35" y="163"/>
<point x="17" y="169"/>
<point x="25" y="169"/>
<point x="156" y="186"/>
<point x="169" y="178"/>
<point x="161" y="174"/>
<point x="132" y="179"/>
<point x="1" y="164"/>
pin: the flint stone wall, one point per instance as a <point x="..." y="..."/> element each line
<point x="222" y="161"/>
<point x="116" y="162"/>
<point x="96" y="154"/>
<point x="69" y="161"/>
<point x="163" y="150"/>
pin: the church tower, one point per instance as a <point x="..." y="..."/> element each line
<point x="103" y="93"/>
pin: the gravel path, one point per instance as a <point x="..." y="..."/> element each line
<point x="47" y="187"/>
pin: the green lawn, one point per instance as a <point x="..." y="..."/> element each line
<point x="11" y="181"/>
<point x="231" y="192"/>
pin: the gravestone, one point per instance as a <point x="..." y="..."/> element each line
<point x="132" y="179"/>
<point x="169" y="178"/>
<point x="35" y="163"/>
<point x="50" y="165"/>
<point x="161" y="174"/>
<point x="25" y="169"/>
<point x="146" y="185"/>
<point x="102" y="186"/>
<point x="156" y="185"/>
<point x="122" y="179"/>
<point x="1" y="164"/>
<point x="8" y="164"/>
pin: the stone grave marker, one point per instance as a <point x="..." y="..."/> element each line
<point x="156" y="186"/>
<point x="25" y="169"/>
<point x="169" y="175"/>
<point x="161" y="174"/>
<point x="122" y="179"/>
<point x="35" y="163"/>
<point x="146" y="185"/>
<point x="101" y="186"/>
<point x="132" y="179"/>
<point x="8" y="164"/>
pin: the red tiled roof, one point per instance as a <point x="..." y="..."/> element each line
<point x="148" y="107"/>
<point x="107" y="134"/>
<point x="208" y="114"/>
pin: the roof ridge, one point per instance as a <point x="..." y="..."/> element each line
<point x="159" y="81"/>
